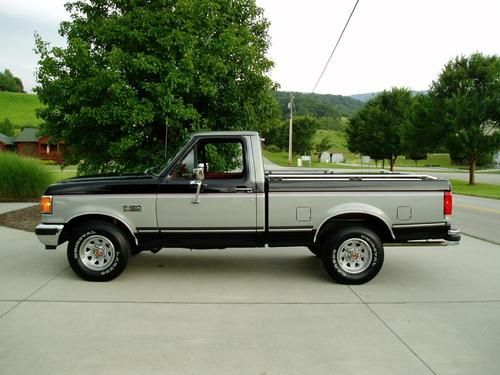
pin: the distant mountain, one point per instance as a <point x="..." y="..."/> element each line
<point x="366" y="97"/>
<point x="319" y="105"/>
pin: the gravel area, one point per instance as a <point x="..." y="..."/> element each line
<point x="24" y="219"/>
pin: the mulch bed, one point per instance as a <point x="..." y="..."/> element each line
<point x="25" y="219"/>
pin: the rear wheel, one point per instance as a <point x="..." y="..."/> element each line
<point x="353" y="255"/>
<point x="98" y="251"/>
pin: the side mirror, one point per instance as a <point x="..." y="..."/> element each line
<point x="203" y="165"/>
<point x="198" y="174"/>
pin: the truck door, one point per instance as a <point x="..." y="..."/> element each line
<point x="224" y="213"/>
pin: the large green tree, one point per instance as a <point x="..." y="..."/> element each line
<point x="467" y="101"/>
<point x="131" y="67"/>
<point x="377" y="130"/>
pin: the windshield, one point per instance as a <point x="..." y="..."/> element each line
<point x="159" y="169"/>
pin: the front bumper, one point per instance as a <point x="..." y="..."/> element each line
<point x="48" y="234"/>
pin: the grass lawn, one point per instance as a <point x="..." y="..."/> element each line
<point x="477" y="190"/>
<point x="57" y="174"/>
<point x="19" y="108"/>
<point x="279" y="157"/>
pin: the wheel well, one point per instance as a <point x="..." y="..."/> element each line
<point x="80" y="220"/>
<point x="348" y="220"/>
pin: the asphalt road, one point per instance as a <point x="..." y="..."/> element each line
<point x="477" y="217"/>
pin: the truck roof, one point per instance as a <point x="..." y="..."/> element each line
<point x="226" y="132"/>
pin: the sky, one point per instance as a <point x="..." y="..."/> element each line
<point x="388" y="43"/>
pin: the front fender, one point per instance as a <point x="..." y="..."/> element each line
<point x="89" y="210"/>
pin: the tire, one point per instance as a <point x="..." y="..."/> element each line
<point x="98" y="251"/>
<point x="315" y="249"/>
<point x="353" y="255"/>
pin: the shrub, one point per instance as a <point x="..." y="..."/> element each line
<point x="21" y="178"/>
<point x="7" y="127"/>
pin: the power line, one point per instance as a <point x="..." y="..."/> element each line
<point x="336" y="45"/>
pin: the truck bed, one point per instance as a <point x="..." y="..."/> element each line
<point x="329" y="181"/>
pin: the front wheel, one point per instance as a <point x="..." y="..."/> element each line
<point x="98" y="251"/>
<point x="353" y="255"/>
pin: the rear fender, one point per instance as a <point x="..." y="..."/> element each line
<point x="351" y="210"/>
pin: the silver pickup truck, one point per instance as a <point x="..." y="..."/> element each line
<point x="215" y="194"/>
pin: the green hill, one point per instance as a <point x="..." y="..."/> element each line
<point x="319" y="105"/>
<point x="19" y="108"/>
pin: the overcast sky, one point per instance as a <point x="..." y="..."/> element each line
<point x="388" y="42"/>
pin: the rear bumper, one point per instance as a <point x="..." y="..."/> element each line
<point x="450" y="238"/>
<point x="453" y="237"/>
<point x="48" y="234"/>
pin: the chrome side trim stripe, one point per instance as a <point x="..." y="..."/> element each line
<point x="198" y="229"/>
<point x="291" y="228"/>
<point x="400" y="226"/>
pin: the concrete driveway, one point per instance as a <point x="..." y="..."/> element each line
<point x="250" y="311"/>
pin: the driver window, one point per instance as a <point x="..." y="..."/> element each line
<point x="222" y="159"/>
<point x="219" y="158"/>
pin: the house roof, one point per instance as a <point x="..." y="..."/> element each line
<point x="6" y="140"/>
<point x="28" y="135"/>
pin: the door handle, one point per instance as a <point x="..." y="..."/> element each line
<point x="243" y="190"/>
<point x="198" y="184"/>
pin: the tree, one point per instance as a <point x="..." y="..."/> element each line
<point x="132" y="67"/>
<point x="7" y="127"/>
<point x="467" y="96"/>
<point x="377" y="129"/>
<point x="420" y="136"/>
<point x="304" y="128"/>
<point x="10" y="83"/>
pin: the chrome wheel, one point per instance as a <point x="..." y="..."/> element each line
<point x="354" y="255"/>
<point x="97" y="253"/>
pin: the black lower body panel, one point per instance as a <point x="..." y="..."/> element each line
<point x="422" y="233"/>
<point x="196" y="240"/>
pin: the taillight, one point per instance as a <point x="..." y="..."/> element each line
<point x="447" y="203"/>
<point x="46" y="204"/>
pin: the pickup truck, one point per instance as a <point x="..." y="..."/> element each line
<point x="215" y="193"/>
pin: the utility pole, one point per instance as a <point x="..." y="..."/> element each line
<point x="166" y="137"/>
<point x="290" y="132"/>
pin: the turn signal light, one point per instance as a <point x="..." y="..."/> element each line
<point x="46" y="204"/>
<point x="447" y="203"/>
